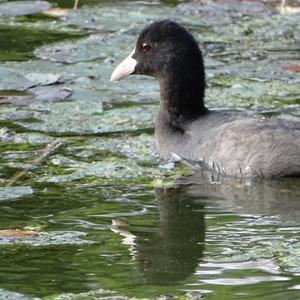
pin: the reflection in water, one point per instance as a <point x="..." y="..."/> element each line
<point x="279" y="197"/>
<point x="171" y="253"/>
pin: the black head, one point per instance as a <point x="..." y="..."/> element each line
<point x="162" y="47"/>
<point x="170" y="53"/>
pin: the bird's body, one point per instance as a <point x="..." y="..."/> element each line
<point x="230" y="144"/>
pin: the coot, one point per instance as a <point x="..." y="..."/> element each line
<point x="230" y="144"/>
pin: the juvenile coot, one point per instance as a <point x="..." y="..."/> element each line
<point x="185" y="128"/>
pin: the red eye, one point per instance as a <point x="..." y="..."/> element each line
<point x="146" y="47"/>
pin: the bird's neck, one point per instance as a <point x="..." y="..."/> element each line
<point x="182" y="94"/>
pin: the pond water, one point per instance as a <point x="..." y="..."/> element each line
<point x="98" y="215"/>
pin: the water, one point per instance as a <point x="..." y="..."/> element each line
<point x="195" y="238"/>
<point x="101" y="217"/>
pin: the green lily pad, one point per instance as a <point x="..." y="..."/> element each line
<point x="32" y="138"/>
<point x="87" y="49"/>
<point x="10" y="193"/>
<point x="11" y="80"/>
<point x="43" y="78"/>
<point x="109" y="18"/>
<point x="265" y="31"/>
<point x="86" y="117"/>
<point x="218" y="12"/>
<point x="51" y="93"/>
<point x="13" y="113"/>
<point x="15" y="99"/>
<point x="244" y="93"/>
<point x="7" y="295"/>
<point x="22" y="8"/>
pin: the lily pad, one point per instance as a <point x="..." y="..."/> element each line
<point x="13" y="113"/>
<point x="14" y="79"/>
<point x="90" y="80"/>
<point x="22" y="8"/>
<point x="43" y="78"/>
<point x="32" y="138"/>
<point x="7" y="295"/>
<point x="14" y="99"/>
<point x="243" y="93"/>
<point x="11" y="80"/>
<point x="86" y="117"/>
<point x="10" y="193"/>
<point x="83" y="50"/>
<point x="263" y="70"/>
<point x="218" y="12"/>
<point x="51" y="93"/>
<point x="109" y="18"/>
<point x="265" y="31"/>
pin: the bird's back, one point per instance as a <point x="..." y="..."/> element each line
<point x="242" y="147"/>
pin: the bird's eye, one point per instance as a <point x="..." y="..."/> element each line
<point x="146" y="47"/>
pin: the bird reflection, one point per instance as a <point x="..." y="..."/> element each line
<point x="172" y="252"/>
<point x="279" y="197"/>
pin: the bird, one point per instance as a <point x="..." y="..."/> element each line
<point x="231" y="144"/>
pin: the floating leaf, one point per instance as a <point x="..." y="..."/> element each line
<point x="16" y="233"/>
<point x="7" y="295"/>
<point x="12" y="80"/>
<point x="9" y="193"/>
<point x="43" y="78"/>
<point x="17" y="100"/>
<point x="51" y="93"/>
<point x="83" y="117"/>
<point x="75" y="51"/>
<point x="22" y="8"/>
<point x="56" y="12"/>
<point x="294" y="68"/>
